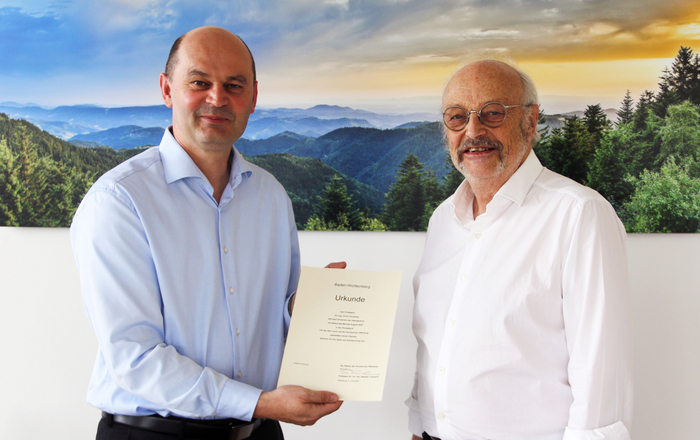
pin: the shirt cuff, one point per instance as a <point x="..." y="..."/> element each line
<point x="616" y="431"/>
<point x="238" y="400"/>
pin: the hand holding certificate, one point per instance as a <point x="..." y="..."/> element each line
<point x="340" y="334"/>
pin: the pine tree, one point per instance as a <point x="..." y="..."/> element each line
<point x="680" y="83"/>
<point x="405" y="203"/>
<point x="335" y="209"/>
<point x="568" y="150"/>
<point x="596" y="123"/>
<point x="626" y="112"/>
<point x="609" y="170"/>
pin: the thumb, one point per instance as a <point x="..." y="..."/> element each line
<point x="322" y="397"/>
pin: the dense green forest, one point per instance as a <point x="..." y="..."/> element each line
<point x="646" y="163"/>
<point x="42" y="178"/>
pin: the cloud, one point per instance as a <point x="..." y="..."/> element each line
<point x="124" y="43"/>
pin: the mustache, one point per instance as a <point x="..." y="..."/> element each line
<point x="479" y="143"/>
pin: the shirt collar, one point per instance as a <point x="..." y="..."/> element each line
<point x="515" y="189"/>
<point x="177" y="164"/>
<point x="519" y="184"/>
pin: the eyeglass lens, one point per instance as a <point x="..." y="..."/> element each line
<point x="491" y="115"/>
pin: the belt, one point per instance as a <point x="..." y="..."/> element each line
<point x="427" y="436"/>
<point x="228" y="429"/>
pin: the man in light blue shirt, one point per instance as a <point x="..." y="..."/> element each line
<point x="188" y="260"/>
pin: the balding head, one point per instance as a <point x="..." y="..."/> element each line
<point x="203" y="32"/>
<point x="496" y="73"/>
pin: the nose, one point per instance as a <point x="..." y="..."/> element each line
<point x="217" y="96"/>
<point x="474" y="128"/>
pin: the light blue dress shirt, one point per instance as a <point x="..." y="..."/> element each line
<point x="188" y="297"/>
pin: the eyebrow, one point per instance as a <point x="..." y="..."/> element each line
<point x="239" y="78"/>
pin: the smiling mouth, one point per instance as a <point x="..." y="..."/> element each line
<point x="478" y="149"/>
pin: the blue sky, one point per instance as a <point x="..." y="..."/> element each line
<point x="386" y="55"/>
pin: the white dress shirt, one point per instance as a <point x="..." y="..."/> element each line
<point x="522" y="316"/>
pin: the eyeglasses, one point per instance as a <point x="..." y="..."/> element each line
<point x="492" y="115"/>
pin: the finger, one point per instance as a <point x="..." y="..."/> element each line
<point x="322" y="397"/>
<point x="337" y="265"/>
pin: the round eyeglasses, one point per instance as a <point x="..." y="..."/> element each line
<point x="491" y="114"/>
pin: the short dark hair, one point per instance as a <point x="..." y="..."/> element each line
<point x="172" y="56"/>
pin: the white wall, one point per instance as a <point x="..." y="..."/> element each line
<point x="48" y="347"/>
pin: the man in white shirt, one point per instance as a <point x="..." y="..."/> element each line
<point x="522" y="308"/>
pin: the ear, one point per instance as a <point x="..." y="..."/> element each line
<point x="165" y="90"/>
<point x="255" y="97"/>
<point x="534" y="117"/>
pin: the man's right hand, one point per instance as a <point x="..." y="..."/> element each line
<point x="295" y="404"/>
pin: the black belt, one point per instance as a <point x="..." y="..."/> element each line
<point x="427" y="436"/>
<point x="228" y="429"/>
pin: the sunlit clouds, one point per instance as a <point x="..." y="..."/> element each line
<point x="384" y="54"/>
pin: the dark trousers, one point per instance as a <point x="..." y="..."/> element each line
<point x="270" y="430"/>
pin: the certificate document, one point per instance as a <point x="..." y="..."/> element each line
<point x="340" y="333"/>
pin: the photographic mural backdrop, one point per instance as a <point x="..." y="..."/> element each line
<point x="349" y="100"/>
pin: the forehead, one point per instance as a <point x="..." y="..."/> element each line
<point x="482" y="82"/>
<point x="214" y="53"/>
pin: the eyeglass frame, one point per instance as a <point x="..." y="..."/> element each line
<point x="478" y="114"/>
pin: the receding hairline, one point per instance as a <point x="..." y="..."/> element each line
<point x="173" y="56"/>
<point x="527" y="85"/>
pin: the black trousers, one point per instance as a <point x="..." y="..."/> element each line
<point x="270" y="430"/>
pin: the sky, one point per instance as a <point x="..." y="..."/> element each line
<point x="384" y="55"/>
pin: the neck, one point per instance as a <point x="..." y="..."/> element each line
<point x="484" y="190"/>
<point x="216" y="168"/>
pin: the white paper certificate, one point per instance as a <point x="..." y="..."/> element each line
<point x="340" y="333"/>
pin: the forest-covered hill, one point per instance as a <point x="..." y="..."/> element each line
<point x="43" y="178"/>
<point x="369" y="155"/>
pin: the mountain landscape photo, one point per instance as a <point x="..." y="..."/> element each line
<point x="349" y="169"/>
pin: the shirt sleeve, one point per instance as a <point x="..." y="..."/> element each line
<point x="415" y="422"/>
<point x="122" y="299"/>
<point x="598" y="325"/>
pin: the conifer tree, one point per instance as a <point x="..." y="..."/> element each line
<point x="405" y="203"/>
<point x="568" y="150"/>
<point x="680" y="83"/>
<point x="596" y="123"/>
<point x="626" y="112"/>
<point x="336" y="209"/>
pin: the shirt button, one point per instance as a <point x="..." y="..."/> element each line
<point x="441" y="415"/>
<point x="477" y="234"/>
<point x="230" y="290"/>
<point x="226" y="250"/>
<point x="464" y="278"/>
<point x="442" y="370"/>
<point x="240" y="373"/>
<point x="238" y="331"/>
<point x="452" y="323"/>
